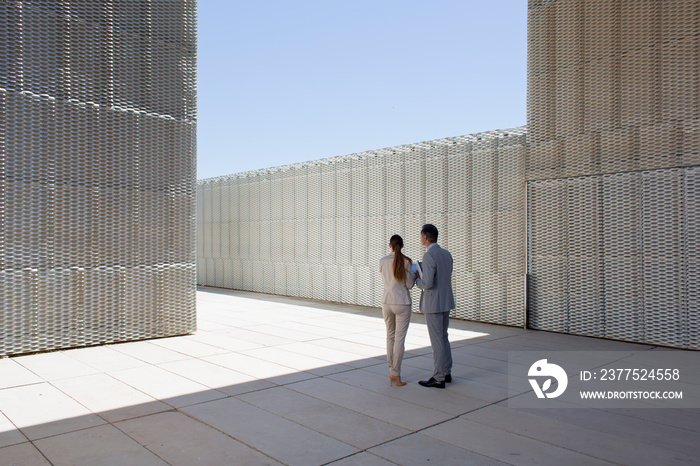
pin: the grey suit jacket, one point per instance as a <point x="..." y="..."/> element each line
<point x="436" y="284"/>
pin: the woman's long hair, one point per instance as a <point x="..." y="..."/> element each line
<point x="396" y="243"/>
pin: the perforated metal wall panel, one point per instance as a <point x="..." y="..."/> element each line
<point x="329" y="222"/>
<point x="613" y="154"/>
<point x="97" y="172"/>
<point x="616" y="256"/>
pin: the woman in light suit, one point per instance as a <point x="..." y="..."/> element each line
<point x="396" y="305"/>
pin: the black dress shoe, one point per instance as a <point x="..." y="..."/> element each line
<point x="432" y="383"/>
<point x="448" y="378"/>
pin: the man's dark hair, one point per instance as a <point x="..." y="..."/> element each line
<point x="430" y="232"/>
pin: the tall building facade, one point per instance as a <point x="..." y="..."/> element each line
<point x="613" y="169"/>
<point x="97" y="171"/>
<point x="593" y="208"/>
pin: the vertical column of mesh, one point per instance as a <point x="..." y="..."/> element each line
<point x="344" y="241"/>
<point x="484" y="234"/>
<point x="97" y="178"/>
<point x="663" y="282"/>
<point x="299" y="268"/>
<point x="510" y="225"/>
<point x="415" y="192"/>
<point x="363" y="270"/>
<point x="329" y="246"/>
<point x="691" y="250"/>
<point x="376" y="222"/>
<point x="548" y="306"/>
<point x="285" y="277"/>
<point x="314" y="235"/>
<point x="584" y="256"/>
<point x="460" y="227"/>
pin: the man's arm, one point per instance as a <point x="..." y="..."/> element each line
<point x="429" y="268"/>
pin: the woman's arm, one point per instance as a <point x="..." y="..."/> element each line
<point x="410" y="278"/>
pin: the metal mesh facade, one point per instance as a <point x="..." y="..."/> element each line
<point x="612" y="169"/>
<point x="97" y="172"/>
<point x="318" y="229"/>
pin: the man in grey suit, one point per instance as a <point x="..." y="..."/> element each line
<point x="436" y="302"/>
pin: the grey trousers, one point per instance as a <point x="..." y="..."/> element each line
<point x="442" y="353"/>
<point x="396" y="317"/>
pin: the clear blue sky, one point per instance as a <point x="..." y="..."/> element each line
<point x="282" y="81"/>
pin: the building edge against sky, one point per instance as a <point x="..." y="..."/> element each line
<point x="595" y="201"/>
<point x="97" y="172"/>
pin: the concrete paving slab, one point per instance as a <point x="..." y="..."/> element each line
<point x="258" y="337"/>
<point x="328" y="355"/>
<point x="259" y="368"/>
<point x="123" y="402"/>
<point x="41" y="410"/>
<point x="55" y="366"/>
<point x="207" y="325"/>
<point x="280" y="332"/>
<point x="9" y="435"/>
<point x="468" y="359"/>
<point x="181" y="440"/>
<point x="189" y="347"/>
<point x="216" y="377"/>
<point x="298" y="362"/>
<point x="359" y="350"/>
<point x="363" y="459"/>
<point x="461" y="384"/>
<point x="105" y="358"/>
<point x="614" y="422"/>
<point x="397" y="412"/>
<point x="104" y="445"/>
<point x="352" y="320"/>
<point x="425" y="363"/>
<point x="24" y="454"/>
<point x="340" y="423"/>
<point x="686" y="419"/>
<point x="283" y="440"/>
<point x="479" y="350"/>
<point x="223" y="341"/>
<point x="307" y="326"/>
<point x="594" y="443"/>
<point x="449" y="402"/>
<point x="505" y="446"/>
<point x="367" y="339"/>
<point x="419" y="449"/>
<point x="14" y="374"/>
<point x="148" y="352"/>
<point x="175" y="390"/>
<point x="343" y="325"/>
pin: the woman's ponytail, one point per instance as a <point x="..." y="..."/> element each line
<point x="399" y="266"/>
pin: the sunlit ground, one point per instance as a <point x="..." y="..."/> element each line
<point x="269" y="379"/>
